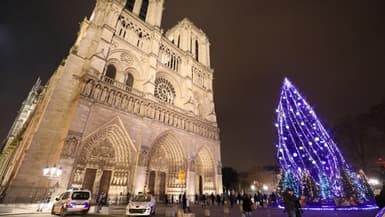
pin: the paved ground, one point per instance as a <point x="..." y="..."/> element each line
<point x="217" y="211"/>
<point x="274" y="212"/>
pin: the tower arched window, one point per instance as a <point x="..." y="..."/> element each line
<point x="164" y="90"/>
<point x="129" y="81"/>
<point x="111" y="71"/>
<point x="130" y="5"/>
<point x="143" y="10"/>
<point x="196" y="50"/>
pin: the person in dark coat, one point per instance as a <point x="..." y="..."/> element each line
<point x="273" y="199"/>
<point x="380" y="199"/>
<point x="102" y="201"/>
<point x="246" y="205"/>
<point x="292" y="206"/>
<point x="212" y="199"/>
<point x="256" y="198"/>
<point x="231" y="200"/>
<point x="204" y="198"/>
<point x="260" y="199"/>
<point x="239" y="198"/>
<point x="184" y="202"/>
<point x="166" y="199"/>
<point x="218" y="199"/>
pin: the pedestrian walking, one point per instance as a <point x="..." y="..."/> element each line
<point x="184" y="202"/>
<point x="102" y="201"/>
<point x="212" y="198"/>
<point x="380" y="199"/>
<point x="260" y="199"/>
<point x="97" y="197"/>
<point x="231" y="200"/>
<point x="273" y="199"/>
<point x="246" y="205"/>
<point x="166" y="199"/>
<point x="292" y="206"/>
<point x="128" y="197"/>
<point x="204" y="198"/>
<point x="218" y="199"/>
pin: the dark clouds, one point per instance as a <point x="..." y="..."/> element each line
<point x="333" y="51"/>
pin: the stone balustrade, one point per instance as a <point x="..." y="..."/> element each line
<point x="104" y="90"/>
<point x="134" y="31"/>
<point x="170" y="56"/>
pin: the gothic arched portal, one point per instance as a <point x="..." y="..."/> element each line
<point x="105" y="162"/>
<point x="205" y="172"/>
<point x="166" y="160"/>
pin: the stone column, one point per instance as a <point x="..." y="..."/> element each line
<point x="219" y="188"/>
<point x="190" y="180"/>
<point x="218" y="179"/>
<point x="140" y="179"/>
<point x="137" y="6"/>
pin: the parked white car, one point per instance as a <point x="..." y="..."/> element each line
<point x="72" y="201"/>
<point x="141" y="205"/>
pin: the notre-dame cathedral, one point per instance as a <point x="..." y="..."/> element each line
<point x="130" y="109"/>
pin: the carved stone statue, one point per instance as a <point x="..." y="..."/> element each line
<point x="70" y="146"/>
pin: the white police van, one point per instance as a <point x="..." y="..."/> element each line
<point x="72" y="201"/>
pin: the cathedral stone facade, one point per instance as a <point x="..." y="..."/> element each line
<point x="129" y="110"/>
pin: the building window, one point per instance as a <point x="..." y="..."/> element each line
<point x="143" y="10"/>
<point x="164" y="90"/>
<point x="129" y="81"/>
<point x="178" y="40"/>
<point x="111" y="71"/>
<point x="130" y="5"/>
<point x="196" y="50"/>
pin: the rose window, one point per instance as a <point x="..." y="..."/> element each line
<point x="164" y="90"/>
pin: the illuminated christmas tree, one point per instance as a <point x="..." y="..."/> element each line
<point x="306" y="149"/>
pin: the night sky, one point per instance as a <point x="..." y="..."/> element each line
<point x="333" y="51"/>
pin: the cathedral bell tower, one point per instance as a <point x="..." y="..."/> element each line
<point x="149" y="11"/>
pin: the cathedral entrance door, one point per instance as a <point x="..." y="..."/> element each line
<point x="200" y="185"/>
<point x="157" y="184"/>
<point x="151" y="183"/>
<point x="89" y="179"/>
<point x="162" y="185"/>
<point x="105" y="181"/>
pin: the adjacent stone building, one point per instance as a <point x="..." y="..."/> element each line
<point x="129" y="110"/>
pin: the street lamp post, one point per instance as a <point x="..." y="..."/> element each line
<point x="52" y="173"/>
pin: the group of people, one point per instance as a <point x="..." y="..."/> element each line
<point x="247" y="202"/>
<point x="212" y="199"/>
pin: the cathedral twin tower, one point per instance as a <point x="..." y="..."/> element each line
<point x="129" y="110"/>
